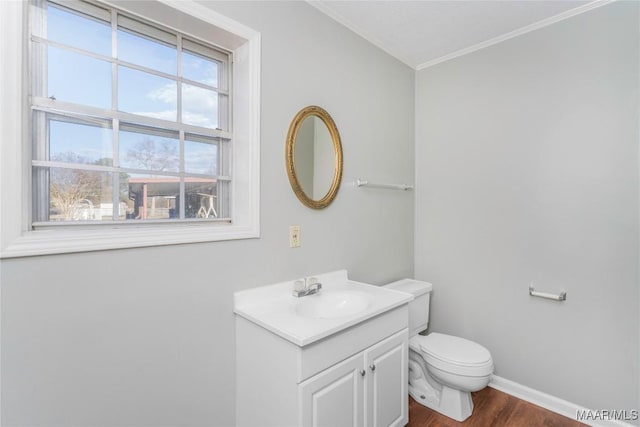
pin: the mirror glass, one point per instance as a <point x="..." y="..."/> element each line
<point x="314" y="157"/>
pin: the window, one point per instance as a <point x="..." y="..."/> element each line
<point x="130" y="122"/>
<point x="131" y="135"/>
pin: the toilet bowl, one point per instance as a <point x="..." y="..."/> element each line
<point x="443" y="369"/>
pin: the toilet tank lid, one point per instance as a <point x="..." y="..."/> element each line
<point x="412" y="286"/>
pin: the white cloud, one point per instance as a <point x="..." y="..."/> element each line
<point x="197" y="119"/>
<point x="167" y="94"/>
<point x="199" y="105"/>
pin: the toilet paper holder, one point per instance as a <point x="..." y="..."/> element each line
<point x="562" y="296"/>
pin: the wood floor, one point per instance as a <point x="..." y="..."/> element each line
<point x="492" y="408"/>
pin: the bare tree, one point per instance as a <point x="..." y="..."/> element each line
<point x="155" y="155"/>
<point x="72" y="191"/>
<point x="70" y="188"/>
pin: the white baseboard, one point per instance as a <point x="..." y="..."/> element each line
<point x="552" y="403"/>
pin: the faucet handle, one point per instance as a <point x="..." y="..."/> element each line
<point x="299" y="285"/>
<point x="314" y="284"/>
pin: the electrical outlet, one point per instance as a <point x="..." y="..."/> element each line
<point x="294" y="236"/>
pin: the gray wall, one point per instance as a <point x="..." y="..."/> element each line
<point x="146" y="336"/>
<point x="527" y="171"/>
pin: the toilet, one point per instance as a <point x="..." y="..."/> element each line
<point x="443" y="369"/>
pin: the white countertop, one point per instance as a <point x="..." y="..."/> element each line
<point x="274" y="307"/>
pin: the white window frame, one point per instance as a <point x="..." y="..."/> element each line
<point x="18" y="239"/>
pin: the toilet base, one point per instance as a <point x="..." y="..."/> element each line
<point x="452" y="403"/>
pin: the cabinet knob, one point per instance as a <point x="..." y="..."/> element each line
<point x="372" y="367"/>
<point x="363" y="372"/>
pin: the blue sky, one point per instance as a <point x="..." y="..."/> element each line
<point x="86" y="80"/>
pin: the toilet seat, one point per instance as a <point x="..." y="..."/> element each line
<point x="454" y="355"/>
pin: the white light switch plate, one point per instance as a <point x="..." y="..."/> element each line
<point x="294" y="236"/>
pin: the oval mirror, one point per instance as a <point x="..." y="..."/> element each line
<point x="314" y="157"/>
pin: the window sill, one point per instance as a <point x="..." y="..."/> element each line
<point x="56" y="241"/>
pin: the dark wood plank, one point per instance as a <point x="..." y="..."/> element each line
<point x="492" y="408"/>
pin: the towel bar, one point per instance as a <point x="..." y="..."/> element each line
<point x="364" y="183"/>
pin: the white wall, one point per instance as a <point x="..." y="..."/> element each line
<point x="527" y="171"/>
<point x="146" y="336"/>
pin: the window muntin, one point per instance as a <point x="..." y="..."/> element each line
<point x="153" y="125"/>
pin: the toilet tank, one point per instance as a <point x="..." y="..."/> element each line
<point x="419" y="307"/>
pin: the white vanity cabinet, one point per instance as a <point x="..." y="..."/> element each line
<point x="368" y="389"/>
<point x="355" y="377"/>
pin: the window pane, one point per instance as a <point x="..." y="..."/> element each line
<point x="152" y="197"/>
<point x="201" y="157"/>
<point x="79" y="195"/>
<point x="150" y="151"/>
<point x="147" y="52"/>
<point x="80" y="143"/>
<point x="201" y="198"/>
<point x="200" y="69"/>
<point x="199" y="106"/>
<point x="146" y="94"/>
<point x="78" y="78"/>
<point x="78" y="30"/>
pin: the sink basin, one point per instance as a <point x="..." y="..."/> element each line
<point x="340" y="304"/>
<point x="332" y="304"/>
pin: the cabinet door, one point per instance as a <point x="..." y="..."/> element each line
<point x="334" y="397"/>
<point x="386" y="364"/>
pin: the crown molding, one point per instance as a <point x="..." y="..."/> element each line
<point x="524" y="30"/>
<point x="499" y="39"/>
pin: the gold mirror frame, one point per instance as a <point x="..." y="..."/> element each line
<point x="316" y="111"/>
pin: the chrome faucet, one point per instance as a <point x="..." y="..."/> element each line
<point x="306" y="286"/>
